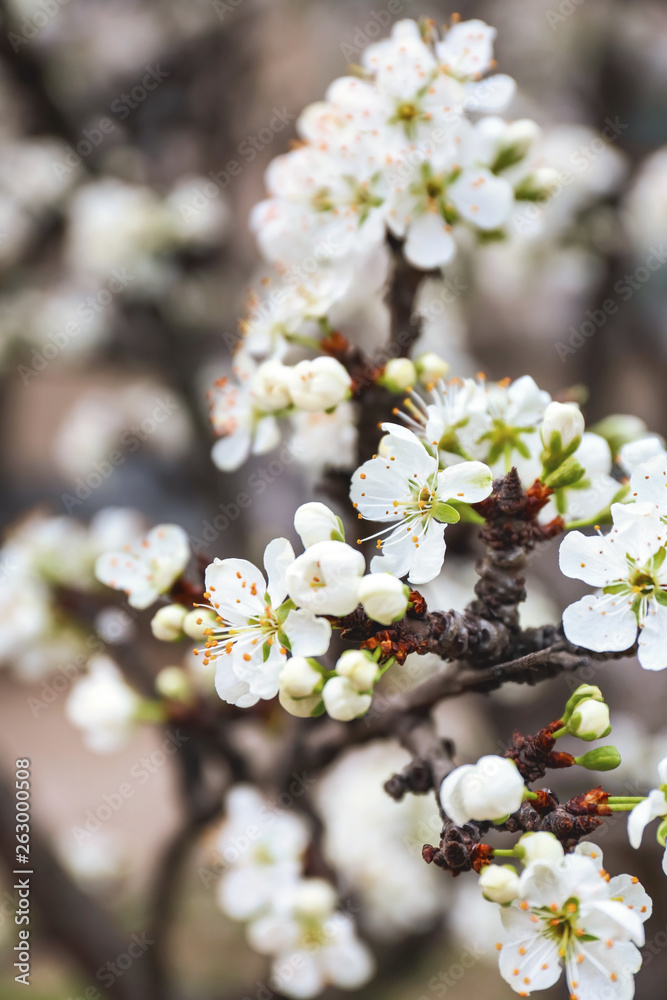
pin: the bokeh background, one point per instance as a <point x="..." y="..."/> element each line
<point x="134" y="140"/>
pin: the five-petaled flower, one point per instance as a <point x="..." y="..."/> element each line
<point x="148" y="570"/>
<point x="405" y="488"/>
<point x="570" y="913"/>
<point x="256" y="627"/>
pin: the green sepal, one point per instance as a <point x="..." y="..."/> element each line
<point x="445" y="512"/>
<point x="661" y="833"/>
<point x="283" y="611"/>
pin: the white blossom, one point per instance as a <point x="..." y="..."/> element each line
<point x="261" y="847"/>
<point x="359" y="667"/>
<point x="569" y="913"/>
<point x="562" y="422"/>
<point x="407" y="489"/>
<point x="148" y="569"/>
<point x="253" y="633"/>
<point x="319" y="384"/>
<point x="167" y="622"/>
<point x="590" y="720"/>
<point x="539" y="846"/>
<point x="654" y="806"/>
<point x="325" y="578"/>
<point x="238" y="419"/>
<point x="306" y="935"/>
<point x="103" y="706"/>
<point x="628" y="566"/>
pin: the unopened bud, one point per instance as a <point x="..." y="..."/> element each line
<point x="167" y="622"/>
<point x="590" y="720"/>
<point x="398" y="375"/>
<point x="540" y="846"/>
<point x="600" y="759"/>
<point x="300" y="677"/>
<point x="173" y="683"/>
<point x="196" y="623"/>
<point x="431" y="367"/>
<point x="384" y="597"/>
<point x="499" y="883"/>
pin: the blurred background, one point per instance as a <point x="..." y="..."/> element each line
<point x="135" y="136"/>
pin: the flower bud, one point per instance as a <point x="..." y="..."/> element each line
<point x="270" y="386"/>
<point x="600" y="759"/>
<point x="302" y="708"/>
<point x="319" y="384"/>
<point x="384" y="597"/>
<point x="359" y="667"/>
<point x="499" y="883"/>
<point x="540" y="846"/>
<point x="538" y="185"/>
<point x="299" y="678"/>
<point x="431" y="367"/>
<point x="562" y="427"/>
<point x="314" y="522"/>
<point x="567" y="473"/>
<point x="167" y="622"/>
<point x="398" y="375"/>
<point x="619" y="429"/>
<point x="583" y="693"/>
<point x="520" y="136"/>
<point x="342" y="700"/>
<point x="196" y="622"/>
<point x="590" y="720"/>
<point x="173" y="683"/>
<point x="490" y="789"/>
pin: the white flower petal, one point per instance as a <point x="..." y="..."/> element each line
<point x="429" y="243"/>
<point x="308" y="635"/>
<point x="601" y="623"/>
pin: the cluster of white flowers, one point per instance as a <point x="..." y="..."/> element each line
<point x="254" y="623"/>
<point x="41" y="553"/>
<point x="245" y="411"/>
<point x="392" y="153"/>
<point x="291" y="917"/>
<point x="628" y="566"/>
<point x="393" y="149"/>
<point x="147" y="569"/>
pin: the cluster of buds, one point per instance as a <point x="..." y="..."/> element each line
<point x="494" y="793"/>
